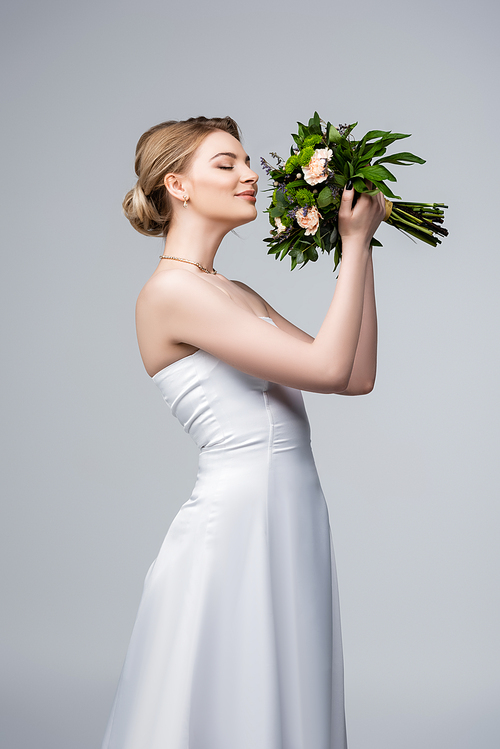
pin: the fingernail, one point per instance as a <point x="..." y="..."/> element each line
<point x="349" y="185"/>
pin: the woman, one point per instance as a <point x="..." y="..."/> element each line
<point x="237" y="639"/>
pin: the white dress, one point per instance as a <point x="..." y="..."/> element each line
<point x="237" y="640"/>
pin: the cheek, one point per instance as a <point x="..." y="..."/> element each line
<point x="214" y="197"/>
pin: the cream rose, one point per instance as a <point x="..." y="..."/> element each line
<point x="317" y="169"/>
<point x="279" y="225"/>
<point x="308" y="218"/>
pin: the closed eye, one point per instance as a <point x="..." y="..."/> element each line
<point x="226" y="167"/>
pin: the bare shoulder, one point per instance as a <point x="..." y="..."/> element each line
<point x="166" y="287"/>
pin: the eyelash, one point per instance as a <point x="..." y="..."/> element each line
<point x="226" y="167"/>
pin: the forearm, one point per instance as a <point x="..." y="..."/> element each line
<point x="364" y="369"/>
<point x="338" y="337"/>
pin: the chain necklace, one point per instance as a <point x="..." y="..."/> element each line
<point x="193" y="262"/>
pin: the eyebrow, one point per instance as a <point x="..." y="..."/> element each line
<point x="228" y="153"/>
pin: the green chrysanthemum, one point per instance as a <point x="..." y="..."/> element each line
<point x="304" y="197"/>
<point x="312" y="140"/>
<point x="291" y="164"/>
<point x="305" y="155"/>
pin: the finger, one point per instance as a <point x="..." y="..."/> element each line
<point x="348" y="196"/>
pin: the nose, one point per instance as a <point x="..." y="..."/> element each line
<point x="250" y="176"/>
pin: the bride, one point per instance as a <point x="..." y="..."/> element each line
<point x="237" y="639"/>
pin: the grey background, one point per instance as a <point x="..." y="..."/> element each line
<point x="95" y="468"/>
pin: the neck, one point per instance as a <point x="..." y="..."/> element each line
<point x="191" y="241"/>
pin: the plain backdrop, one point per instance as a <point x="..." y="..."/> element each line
<point x="95" y="467"/>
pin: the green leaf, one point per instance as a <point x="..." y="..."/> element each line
<point x="374" y="150"/>
<point x="312" y="254"/>
<point x="371" y="134"/>
<point x="333" y="134"/>
<point x="285" y="247"/>
<point x="277" y="211"/>
<point x="387" y="191"/>
<point x="325" y="197"/>
<point x="314" y="125"/>
<point x="402" y="159"/>
<point x="345" y="148"/>
<point x="359" y="185"/>
<point x="388" y="139"/>
<point x="376" y="173"/>
<point x="363" y="149"/>
<point x="376" y="243"/>
<point x="317" y="239"/>
<point x="281" y="200"/>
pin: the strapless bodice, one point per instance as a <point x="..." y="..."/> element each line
<point x="220" y="406"/>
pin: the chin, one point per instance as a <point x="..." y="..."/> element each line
<point x="251" y="215"/>
<point x="248" y="220"/>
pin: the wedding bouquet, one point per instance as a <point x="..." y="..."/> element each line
<point x="307" y="190"/>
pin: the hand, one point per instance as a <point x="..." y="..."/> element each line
<point x="361" y="222"/>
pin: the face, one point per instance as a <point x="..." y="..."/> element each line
<point x="220" y="184"/>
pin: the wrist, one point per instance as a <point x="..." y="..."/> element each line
<point x="356" y="244"/>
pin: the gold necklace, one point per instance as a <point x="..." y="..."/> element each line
<point x="193" y="262"/>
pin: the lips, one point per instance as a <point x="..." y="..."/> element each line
<point x="248" y="194"/>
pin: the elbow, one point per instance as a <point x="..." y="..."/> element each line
<point x="334" y="385"/>
<point x="333" y="381"/>
<point x="366" y="388"/>
<point x="359" y="388"/>
<point x="342" y="380"/>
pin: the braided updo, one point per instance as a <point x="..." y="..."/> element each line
<point x="164" y="148"/>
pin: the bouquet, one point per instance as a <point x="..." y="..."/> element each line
<point x="307" y="190"/>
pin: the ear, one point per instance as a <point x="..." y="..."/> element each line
<point x="174" y="186"/>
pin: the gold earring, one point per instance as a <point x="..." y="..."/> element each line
<point x="186" y="198"/>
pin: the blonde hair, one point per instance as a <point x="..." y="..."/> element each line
<point x="167" y="147"/>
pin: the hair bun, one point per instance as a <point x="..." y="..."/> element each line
<point x="142" y="212"/>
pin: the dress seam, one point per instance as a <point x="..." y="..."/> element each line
<point x="269" y="473"/>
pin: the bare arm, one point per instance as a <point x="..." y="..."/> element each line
<point x="193" y="311"/>
<point x="364" y="369"/>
